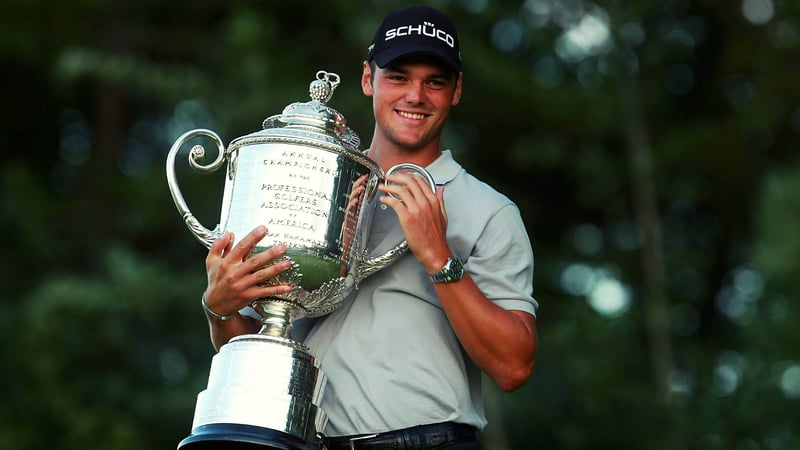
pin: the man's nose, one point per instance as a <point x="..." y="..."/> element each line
<point x="415" y="93"/>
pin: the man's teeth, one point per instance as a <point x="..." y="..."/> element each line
<point x="412" y="115"/>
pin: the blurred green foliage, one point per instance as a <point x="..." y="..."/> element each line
<point x="651" y="146"/>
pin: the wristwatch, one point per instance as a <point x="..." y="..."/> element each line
<point x="453" y="270"/>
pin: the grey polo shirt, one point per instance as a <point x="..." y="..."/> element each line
<point x="390" y="356"/>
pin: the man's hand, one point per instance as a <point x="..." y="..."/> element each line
<point x="422" y="217"/>
<point x="234" y="280"/>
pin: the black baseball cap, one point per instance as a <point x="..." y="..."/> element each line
<point x="416" y="30"/>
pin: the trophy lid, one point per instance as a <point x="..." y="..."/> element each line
<point x="315" y="115"/>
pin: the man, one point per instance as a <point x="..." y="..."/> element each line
<point x="404" y="355"/>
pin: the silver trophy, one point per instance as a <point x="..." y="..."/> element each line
<point x="303" y="177"/>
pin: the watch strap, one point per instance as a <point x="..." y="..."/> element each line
<point x="453" y="270"/>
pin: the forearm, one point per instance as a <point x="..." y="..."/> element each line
<point x="502" y="343"/>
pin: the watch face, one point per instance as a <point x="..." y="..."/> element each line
<point x="453" y="270"/>
<point x="456" y="269"/>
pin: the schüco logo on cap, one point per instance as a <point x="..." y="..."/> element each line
<point x="426" y="29"/>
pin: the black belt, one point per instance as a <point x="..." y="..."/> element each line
<point x="419" y="437"/>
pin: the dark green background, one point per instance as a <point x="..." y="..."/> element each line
<point x="651" y="147"/>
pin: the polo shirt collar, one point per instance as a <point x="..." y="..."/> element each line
<point x="444" y="169"/>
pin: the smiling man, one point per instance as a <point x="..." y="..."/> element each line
<point x="404" y="355"/>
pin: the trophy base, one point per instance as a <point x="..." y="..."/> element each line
<point x="225" y="436"/>
<point x="262" y="390"/>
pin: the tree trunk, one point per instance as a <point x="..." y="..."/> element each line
<point x="645" y="205"/>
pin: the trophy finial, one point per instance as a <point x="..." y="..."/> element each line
<point x="321" y="89"/>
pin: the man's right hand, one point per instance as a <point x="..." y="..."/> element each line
<point x="234" y="280"/>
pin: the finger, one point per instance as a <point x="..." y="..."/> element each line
<point x="395" y="185"/>
<point x="361" y="181"/>
<point x="270" y="271"/>
<point x="219" y="247"/>
<point x="412" y="185"/>
<point x="265" y="257"/>
<point x="440" y="197"/>
<point x="248" y="243"/>
<point x="356" y="191"/>
<point x="420" y="187"/>
<point x="268" y="291"/>
<point x="229" y="245"/>
<point x="416" y="185"/>
<point x="355" y="194"/>
<point x="394" y="197"/>
<point x="416" y="194"/>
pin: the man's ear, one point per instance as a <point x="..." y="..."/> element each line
<point x="366" y="80"/>
<point x="457" y="93"/>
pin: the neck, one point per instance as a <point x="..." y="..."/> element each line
<point x="388" y="155"/>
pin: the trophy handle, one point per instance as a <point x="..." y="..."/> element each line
<point x="203" y="234"/>
<point x="371" y="265"/>
<point x="415" y="170"/>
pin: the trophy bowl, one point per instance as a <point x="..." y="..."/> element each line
<point x="303" y="177"/>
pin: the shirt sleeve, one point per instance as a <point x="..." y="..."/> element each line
<point x="502" y="262"/>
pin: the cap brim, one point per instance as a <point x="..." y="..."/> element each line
<point x="386" y="56"/>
